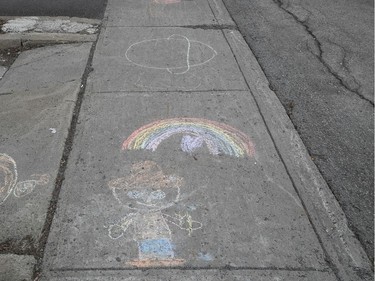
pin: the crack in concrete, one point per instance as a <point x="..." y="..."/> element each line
<point x="193" y="268"/>
<point x="319" y="56"/>
<point x="212" y="26"/>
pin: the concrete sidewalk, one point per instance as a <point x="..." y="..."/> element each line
<point x="37" y="100"/>
<point x="185" y="165"/>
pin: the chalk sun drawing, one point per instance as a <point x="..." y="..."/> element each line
<point x="147" y="191"/>
<point x="219" y="138"/>
<point x="9" y="176"/>
<point x="176" y="54"/>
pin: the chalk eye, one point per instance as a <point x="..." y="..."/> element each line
<point x="134" y="194"/>
<point x="157" y="194"/>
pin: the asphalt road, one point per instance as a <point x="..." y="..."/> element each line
<point x="71" y="8"/>
<point x="318" y="57"/>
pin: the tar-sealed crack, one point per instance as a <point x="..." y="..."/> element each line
<point x="319" y="56"/>
<point x="213" y="26"/>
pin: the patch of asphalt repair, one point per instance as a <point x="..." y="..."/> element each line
<point x="319" y="55"/>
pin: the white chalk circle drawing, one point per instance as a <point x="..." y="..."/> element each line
<point x="9" y="176"/>
<point x="176" y="54"/>
<point x="147" y="191"/>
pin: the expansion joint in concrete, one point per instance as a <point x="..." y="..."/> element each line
<point x="194" y="268"/>
<point x="171" y="91"/>
<point x="212" y="26"/>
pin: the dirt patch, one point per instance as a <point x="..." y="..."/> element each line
<point x="8" y="56"/>
<point x="1" y="26"/>
<point x="24" y="246"/>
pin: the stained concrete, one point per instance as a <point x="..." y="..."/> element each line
<point x="38" y="95"/>
<point x="177" y="59"/>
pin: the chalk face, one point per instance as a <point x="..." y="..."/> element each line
<point x="8" y="176"/>
<point x="147" y="188"/>
<point x="147" y="198"/>
<point x="175" y="54"/>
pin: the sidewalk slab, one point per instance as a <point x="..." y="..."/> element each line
<point x="37" y="98"/>
<point x="166" y="13"/>
<point x="16" y="267"/>
<point x="241" y="212"/>
<point x="164" y="59"/>
<point x="192" y="275"/>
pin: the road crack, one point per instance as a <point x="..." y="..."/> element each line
<point x="351" y="87"/>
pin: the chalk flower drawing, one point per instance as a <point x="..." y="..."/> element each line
<point x="9" y="176"/>
<point x="148" y="191"/>
<point x="196" y="133"/>
<point x="176" y="54"/>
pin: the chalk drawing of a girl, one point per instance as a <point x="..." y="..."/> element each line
<point x="148" y="191"/>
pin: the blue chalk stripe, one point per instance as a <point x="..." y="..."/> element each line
<point x="156" y="248"/>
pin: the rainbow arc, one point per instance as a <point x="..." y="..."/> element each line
<point x="219" y="138"/>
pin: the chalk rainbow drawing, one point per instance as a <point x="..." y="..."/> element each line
<point x="143" y="53"/>
<point x="219" y="138"/>
<point x="9" y="176"/>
